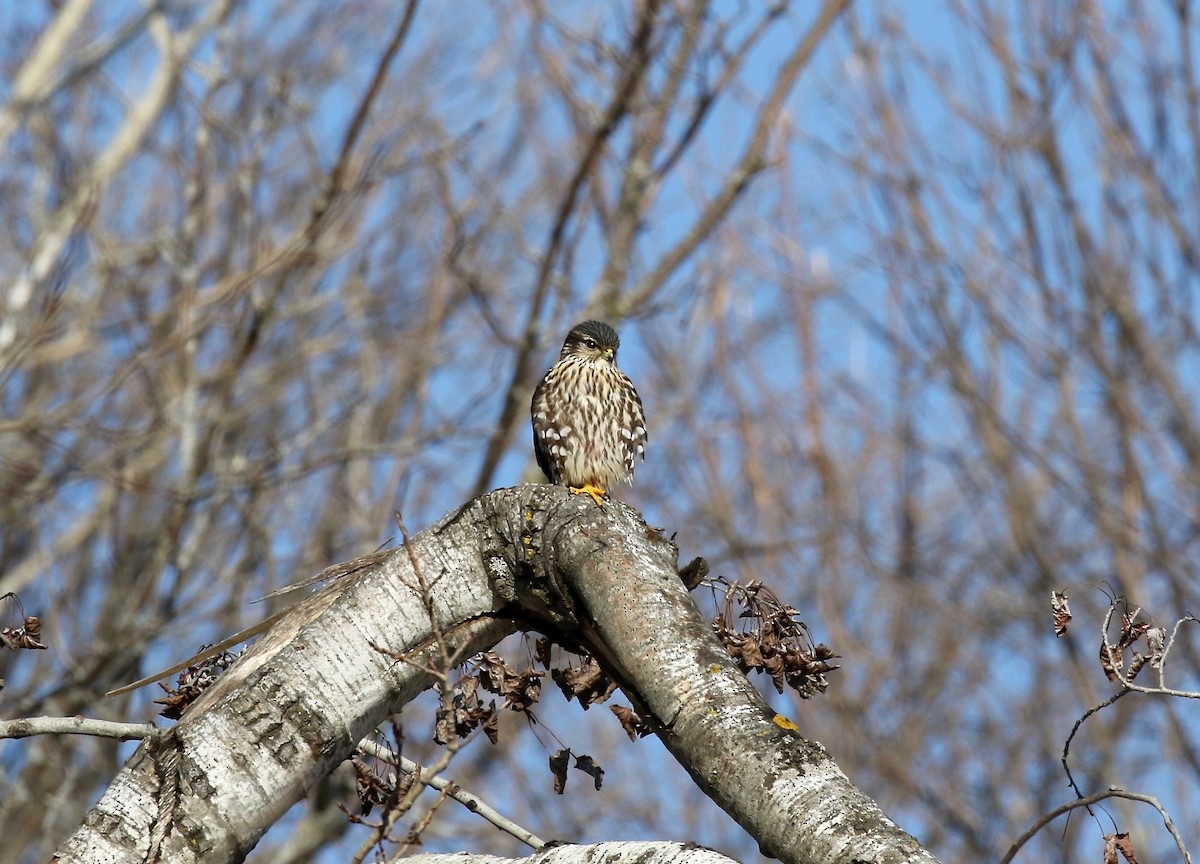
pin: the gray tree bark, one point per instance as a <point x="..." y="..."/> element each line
<point x="596" y="853"/>
<point x="529" y="557"/>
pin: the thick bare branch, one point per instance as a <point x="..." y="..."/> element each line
<point x="299" y="701"/>
<point x="599" y="853"/>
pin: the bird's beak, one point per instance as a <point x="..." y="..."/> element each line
<point x="610" y="355"/>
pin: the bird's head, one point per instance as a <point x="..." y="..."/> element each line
<point x="593" y="341"/>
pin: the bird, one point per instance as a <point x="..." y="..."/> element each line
<point x="589" y="427"/>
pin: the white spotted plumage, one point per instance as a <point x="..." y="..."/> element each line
<point x="589" y="427"/>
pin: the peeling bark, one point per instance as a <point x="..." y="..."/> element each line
<point x="532" y="557"/>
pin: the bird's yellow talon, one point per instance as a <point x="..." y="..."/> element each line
<point x="596" y="493"/>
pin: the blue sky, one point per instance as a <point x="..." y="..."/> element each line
<point x="817" y="218"/>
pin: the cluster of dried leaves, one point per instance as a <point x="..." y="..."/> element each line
<point x="1112" y="656"/>
<point x="771" y="638"/>
<point x="1114" y="843"/>
<point x="385" y="787"/>
<point x="777" y="643"/>
<point x="1117" y="845"/>
<point x="378" y="783"/>
<point x="193" y="681"/>
<point x="26" y="637"/>
<point x="375" y="789"/>
<point x="464" y="711"/>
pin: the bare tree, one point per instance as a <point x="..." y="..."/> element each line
<point x="908" y="289"/>
<point x="320" y="680"/>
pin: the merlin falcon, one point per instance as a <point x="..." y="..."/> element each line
<point x="589" y="428"/>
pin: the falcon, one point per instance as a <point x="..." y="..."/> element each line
<point x="589" y="429"/>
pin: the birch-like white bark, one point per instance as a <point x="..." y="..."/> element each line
<point x="313" y="686"/>
<point x="33" y="79"/>
<point x="595" y="853"/>
<point x="175" y="51"/>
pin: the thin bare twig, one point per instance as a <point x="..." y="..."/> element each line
<point x="468" y="799"/>
<point x="30" y="726"/>
<point x="33" y="81"/>
<point x="175" y="50"/>
<point x="634" y="68"/>
<point x="1111" y="792"/>
<point x="1067" y="746"/>
<point x="753" y="160"/>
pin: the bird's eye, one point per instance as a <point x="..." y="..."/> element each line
<point x="591" y="343"/>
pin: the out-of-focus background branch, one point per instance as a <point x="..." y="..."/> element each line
<point x="909" y="289"/>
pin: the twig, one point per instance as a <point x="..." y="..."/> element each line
<point x="77" y="725"/>
<point x="472" y="802"/>
<point x="1115" y="660"/>
<point x="175" y="49"/>
<point x="1075" y="728"/>
<point x="1111" y="792"/>
<point x="634" y="69"/>
<point x="337" y="175"/>
<point x="752" y="161"/>
<point x="33" y="81"/>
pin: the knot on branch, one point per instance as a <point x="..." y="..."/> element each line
<point x="548" y="534"/>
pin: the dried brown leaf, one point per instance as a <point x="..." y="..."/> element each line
<point x="587" y="682"/>
<point x="541" y="651"/>
<point x="693" y="573"/>
<point x="559" y="762"/>
<point x="193" y="681"/>
<point x="1125" y="847"/>
<point x="1135" y="666"/>
<point x="491" y="727"/>
<point x="1061" y="611"/>
<point x="1156" y="640"/>
<point x="1111" y="660"/>
<point x="635" y="727"/>
<point x="26" y="637"/>
<point x="176" y="701"/>
<point x="1114" y="843"/>
<point x="1131" y="629"/>
<point x="591" y="767"/>
<point x="1110" y="849"/>
<point x="774" y="666"/>
<point x="749" y="654"/>
<point x="443" y="724"/>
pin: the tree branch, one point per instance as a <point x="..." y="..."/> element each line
<point x="1112" y="792"/>
<point x="625" y="88"/>
<point x="30" y="726"/>
<point x="599" y="853"/>
<point x="535" y="556"/>
<point x="469" y="800"/>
